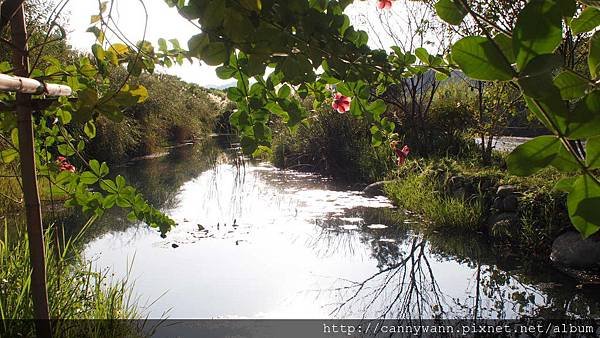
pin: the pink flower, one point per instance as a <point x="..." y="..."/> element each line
<point x="384" y="4"/>
<point x="64" y="165"/>
<point x="402" y="154"/>
<point x="341" y="103"/>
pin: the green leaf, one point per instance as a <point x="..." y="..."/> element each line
<point x="215" y="54"/>
<point x="98" y="52"/>
<point x="104" y="169"/>
<point x="88" y="177"/>
<point x="505" y="43"/>
<point x="108" y="186"/>
<point x="95" y="166"/>
<point x="162" y="45"/>
<point x="592" y="149"/>
<point x="565" y="184"/>
<point x="584" y="120"/>
<point x="377" y="108"/>
<point x="555" y="109"/>
<point x="536" y="78"/>
<point x="120" y="180"/>
<point x="583" y="203"/>
<point x="450" y="11"/>
<point x="571" y="85"/>
<point x="284" y="92"/>
<point x="235" y="94"/>
<point x="594" y="55"/>
<point x="213" y="15"/>
<point x="538" y="30"/>
<point x="225" y="72"/>
<point x="66" y="150"/>
<point x="8" y="155"/>
<point x="90" y="129"/>
<point x="422" y="54"/>
<point x="109" y="201"/>
<point x="586" y="21"/>
<point x="479" y="59"/>
<point x="534" y="155"/>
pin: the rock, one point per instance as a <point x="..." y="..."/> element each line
<point x="174" y="246"/>
<point x="200" y="227"/>
<point x="570" y="250"/>
<point x="505" y="190"/>
<point x="498" y="203"/>
<point x="459" y="192"/>
<point x="375" y="189"/>
<point x="510" y="203"/>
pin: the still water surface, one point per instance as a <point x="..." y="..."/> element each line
<point x="282" y="244"/>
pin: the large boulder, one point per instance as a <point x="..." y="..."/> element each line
<point x="570" y="250"/>
<point x="375" y="189"/>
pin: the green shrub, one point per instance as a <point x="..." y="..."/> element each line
<point x="333" y="144"/>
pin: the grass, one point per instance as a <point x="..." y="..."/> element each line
<point x="421" y="194"/>
<point x="426" y="186"/>
<point x="75" y="291"/>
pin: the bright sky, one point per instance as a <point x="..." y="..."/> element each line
<point x="165" y="22"/>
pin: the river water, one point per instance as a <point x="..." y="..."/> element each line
<point x="253" y="241"/>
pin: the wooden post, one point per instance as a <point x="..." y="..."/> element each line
<point x="33" y="210"/>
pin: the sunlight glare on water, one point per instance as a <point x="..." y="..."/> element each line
<point x="258" y="242"/>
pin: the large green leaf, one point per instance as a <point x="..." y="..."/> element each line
<point x="571" y="85"/>
<point x="479" y="59"/>
<point x="594" y="55"/>
<point x="584" y="120"/>
<point x="450" y="11"/>
<point x="592" y="149"/>
<point x="586" y="21"/>
<point x="538" y="30"/>
<point x="551" y="111"/>
<point x="583" y="203"/>
<point x="504" y="42"/>
<point x="534" y="155"/>
<point x="536" y="78"/>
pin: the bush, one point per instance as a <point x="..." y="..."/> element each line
<point x="333" y="144"/>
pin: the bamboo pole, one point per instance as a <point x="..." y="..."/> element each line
<point x="31" y="195"/>
<point x="30" y="86"/>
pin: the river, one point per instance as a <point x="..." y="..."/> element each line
<point x="282" y="244"/>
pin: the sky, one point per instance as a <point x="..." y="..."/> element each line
<point x="165" y="22"/>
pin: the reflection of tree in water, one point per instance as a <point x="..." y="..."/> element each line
<point x="405" y="289"/>
<point x="158" y="179"/>
<point x="406" y="286"/>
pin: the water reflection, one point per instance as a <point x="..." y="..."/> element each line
<point x="257" y="242"/>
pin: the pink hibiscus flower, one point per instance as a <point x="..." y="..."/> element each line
<point x="384" y="4"/>
<point x="402" y="154"/>
<point x="341" y="103"/>
<point x="64" y="165"/>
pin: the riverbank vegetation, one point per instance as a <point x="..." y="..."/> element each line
<point x="76" y="290"/>
<point x="174" y="113"/>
